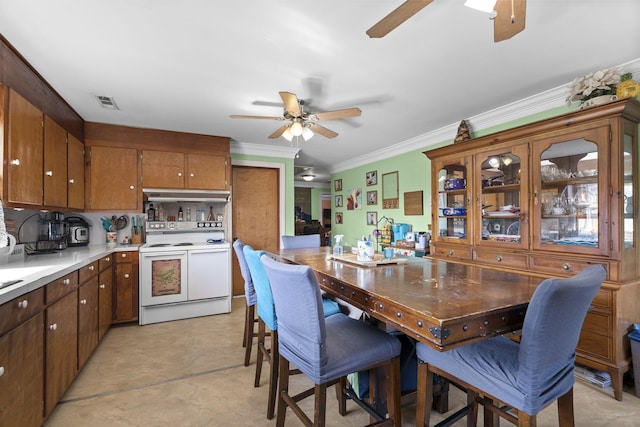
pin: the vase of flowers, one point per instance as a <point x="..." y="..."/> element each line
<point x="595" y="88"/>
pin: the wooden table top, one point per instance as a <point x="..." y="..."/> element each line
<point x="440" y="303"/>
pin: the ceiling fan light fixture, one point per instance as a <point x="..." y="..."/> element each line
<point x="307" y="133"/>
<point x="296" y="128"/>
<point x="486" y="6"/>
<point x="308" y="177"/>
<point x="287" y="134"/>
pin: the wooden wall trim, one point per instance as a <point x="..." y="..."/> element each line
<point x="154" y="139"/>
<point x="18" y="74"/>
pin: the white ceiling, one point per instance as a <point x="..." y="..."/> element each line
<point x="188" y="65"/>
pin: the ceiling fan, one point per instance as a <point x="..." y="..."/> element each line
<point x="509" y="17"/>
<point x="301" y="122"/>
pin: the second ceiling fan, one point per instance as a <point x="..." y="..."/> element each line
<point x="509" y="17"/>
<point x="301" y="122"/>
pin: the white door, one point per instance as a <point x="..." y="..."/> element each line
<point x="163" y="277"/>
<point x="209" y="273"/>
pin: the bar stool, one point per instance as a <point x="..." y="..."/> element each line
<point x="250" y="318"/>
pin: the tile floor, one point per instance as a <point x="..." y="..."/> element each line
<point x="190" y="373"/>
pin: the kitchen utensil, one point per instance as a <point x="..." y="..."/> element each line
<point x="122" y="222"/>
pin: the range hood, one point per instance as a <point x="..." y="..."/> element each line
<point x="176" y="195"/>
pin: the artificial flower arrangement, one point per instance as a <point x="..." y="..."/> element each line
<point x="603" y="82"/>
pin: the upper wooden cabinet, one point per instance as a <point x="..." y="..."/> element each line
<point x="113" y="179"/>
<point x="164" y="169"/>
<point x="549" y="199"/>
<point x="55" y="164"/>
<point x="75" y="173"/>
<point x="24" y="155"/>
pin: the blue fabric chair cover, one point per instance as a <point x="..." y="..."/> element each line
<point x="322" y="348"/>
<point x="298" y="242"/>
<point x="249" y="290"/>
<point x="530" y="375"/>
<point x="266" y="307"/>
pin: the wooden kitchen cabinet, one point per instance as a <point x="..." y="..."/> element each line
<point x="549" y="199"/>
<point x="105" y="295"/>
<point x="22" y="360"/>
<point x="24" y="156"/>
<point x="164" y="169"/>
<point x="61" y="343"/>
<point x="125" y="290"/>
<point x="55" y="164"/>
<point x="75" y="173"/>
<point x="112" y="182"/>
<point x="87" y="312"/>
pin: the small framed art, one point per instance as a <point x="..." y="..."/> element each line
<point x="338" y="217"/>
<point x="337" y="185"/>
<point x="372" y="178"/>
<point x="339" y="201"/>
<point x="372" y="197"/>
<point x="372" y="218"/>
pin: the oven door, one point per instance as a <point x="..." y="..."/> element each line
<point x="209" y="273"/>
<point x="163" y="277"/>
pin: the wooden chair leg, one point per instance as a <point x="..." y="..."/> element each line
<point x="340" y="395"/>
<point x="424" y="395"/>
<point x="320" y="406"/>
<point x="565" y="409"/>
<point x="526" y="420"/>
<point x="261" y="352"/>
<point x="472" y="403"/>
<point x="247" y="342"/>
<point x="274" y="355"/>
<point x="283" y="386"/>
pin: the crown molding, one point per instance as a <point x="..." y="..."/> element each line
<point x="248" y="148"/>
<point x="544" y="101"/>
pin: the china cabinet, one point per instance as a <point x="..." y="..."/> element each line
<point x="548" y="199"/>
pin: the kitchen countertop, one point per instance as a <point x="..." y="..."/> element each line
<point x="38" y="270"/>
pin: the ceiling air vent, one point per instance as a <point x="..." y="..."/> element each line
<point x="107" y="102"/>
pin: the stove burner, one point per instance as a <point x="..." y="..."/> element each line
<point x="159" y="245"/>
<point x="184" y="244"/>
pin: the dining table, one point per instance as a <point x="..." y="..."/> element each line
<point x="443" y="304"/>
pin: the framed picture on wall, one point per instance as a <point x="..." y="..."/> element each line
<point x="372" y="197"/>
<point x="338" y="217"/>
<point x="372" y="178"/>
<point x="337" y="185"/>
<point x="339" y="201"/>
<point x="372" y="218"/>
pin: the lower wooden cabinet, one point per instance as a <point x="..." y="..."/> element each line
<point x="61" y="340"/>
<point x="105" y="295"/>
<point x="125" y="289"/>
<point x="87" y="320"/>
<point x="21" y="374"/>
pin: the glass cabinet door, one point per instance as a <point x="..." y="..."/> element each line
<point x="502" y="200"/>
<point x="570" y="201"/>
<point x="451" y="217"/>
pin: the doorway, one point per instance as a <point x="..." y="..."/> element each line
<point x="256" y="216"/>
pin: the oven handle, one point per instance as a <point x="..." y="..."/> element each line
<point x="162" y="254"/>
<point x="204" y="251"/>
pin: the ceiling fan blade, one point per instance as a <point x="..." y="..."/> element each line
<point x="236" y="116"/>
<point x="336" y="114"/>
<point x="327" y="133"/>
<point x="278" y="133"/>
<point x="403" y="12"/>
<point x="510" y="19"/>
<point x="291" y="103"/>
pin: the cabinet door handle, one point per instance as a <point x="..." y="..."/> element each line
<point x="66" y="281"/>
<point x="498" y="258"/>
<point x="132" y="187"/>
<point x="192" y="174"/>
<point x="123" y="255"/>
<point x="91" y="268"/>
<point x="23" y="304"/>
<point x="107" y="259"/>
<point x="1" y="371"/>
<point x="72" y="181"/>
<point x="83" y="301"/>
<point x="179" y="173"/>
<point x="15" y="162"/>
<point x="49" y="173"/>
<point x="103" y="286"/>
<point x="535" y="195"/>
<point x="126" y="276"/>
<point x="53" y="326"/>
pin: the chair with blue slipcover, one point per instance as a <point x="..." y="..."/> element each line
<point x="525" y="377"/>
<point x="299" y="242"/>
<point x="267" y="319"/>
<point x="250" y="318"/>
<point x="325" y="349"/>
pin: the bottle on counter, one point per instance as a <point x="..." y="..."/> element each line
<point x="160" y="213"/>
<point x="188" y="219"/>
<point x="151" y="213"/>
<point x="180" y="214"/>
<point x="210" y="217"/>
